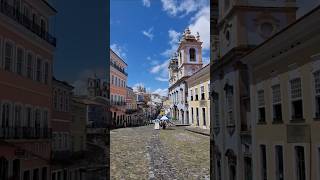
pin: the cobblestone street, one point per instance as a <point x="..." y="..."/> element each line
<point x="145" y="153"/>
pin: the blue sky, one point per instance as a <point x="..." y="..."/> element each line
<point x="145" y="33"/>
<point x="81" y="28"/>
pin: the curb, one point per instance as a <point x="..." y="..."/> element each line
<point x="205" y="134"/>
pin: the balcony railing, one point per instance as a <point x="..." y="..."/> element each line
<point x="118" y="103"/>
<point x="24" y="133"/>
<point x="17" y="16"/>
<point x="118" y="68"/>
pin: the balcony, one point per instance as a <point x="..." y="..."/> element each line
<point x="24" y="133"/>
<point x="17" y="16"/>
<point x="118" y="68"/>
<point x="115" y="103"/>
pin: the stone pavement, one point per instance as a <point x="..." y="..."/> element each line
<point x="145" y="153"/>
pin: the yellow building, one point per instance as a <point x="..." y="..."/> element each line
<point x="198" y="100"/>
<point x="285" y="102"/>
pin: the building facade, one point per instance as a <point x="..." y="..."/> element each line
<point x="186" y="61"/>
<point x="118" y="88"/>
<point x="285" y="102"/>
<point x="199" y="98"/>
<point x="26" y="58"/>
<point x="61" y="128"/>
<point x="242" y="26"/>
<point x="131" y="107"/>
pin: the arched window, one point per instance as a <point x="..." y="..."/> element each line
<point x="192" y="53"/>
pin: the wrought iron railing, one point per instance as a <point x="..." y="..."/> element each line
<point x="118" y="68"/>
<point x="24" y="133"/>
<point x="17" y="16"/>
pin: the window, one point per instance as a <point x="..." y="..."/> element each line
<point x="229" y="103"/>
<point x="44" y="173"/>
<point x="55" y="100"/>
<point x="43" y="27"/>
<point x="46" y="72"/>
<point x="197" y="116"/>
<point x="202" y="92"/>
<point x="204" y="116"/>
<point x="279" y="162"/>
<point x="65" y="140"/>
<point x="192" y="115"/>
<point x="8" y="56"/>
<point x="67" y="102"/>
<point x="191" y="95"/>
<point x="196" y="93"/>
<point x="61" y="101"/>
<point x="30" y="66"/>
<point x="263" y="156"/>
<point x="296" y="99"/>
<point x="192" y="53"/>
<point x="45" y="118"/>
<point x="317" y="93"/>
<point x="20" y="63"/>
<point x="216" y="110"/>
<point x="209" y="91"/>
<point x="219" y="169"/>
<point x="26" y="175"/>
<point x="29" y="117"/>
<point x="37" y="120"/>
<point x="36" y="174"/>
<point x="261" y="107"/>
<point x="112" y="79"/>
<point x="5" y="115"/>
<point x="116" y="81"/>
<point x="38" y="72"/>
<point x="300" y="163"/>
<point x="17" y="116"/>
<point x="276" y="100"/>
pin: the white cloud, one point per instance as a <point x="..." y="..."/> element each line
<point x="162" y="79"/>
<point x="161" y="70"/>
<point x="146" y="3"/>
<point x="174" y="37"/>
<point x="148" y="33"/>
<point x="182" y="7"/>
<point x="162" y="92"/>
<point x="119" y="50"/>
<point x="201" y="23"/>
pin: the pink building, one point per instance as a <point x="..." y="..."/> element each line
<point x="26" y="58"/>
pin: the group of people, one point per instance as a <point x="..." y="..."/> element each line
<point x="163" y="124"/>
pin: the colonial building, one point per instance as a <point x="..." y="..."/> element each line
<point x="118" y="88"/>
<point x="183" y="64"/>
<point x="285" y="102"/>
<point x="199" y="98"/>
<point x="26" y="58"/>
<point x="78" y="139"/>
<point x="241" y="25"/>
<point x="61" y="127"/>
<point x="131" y="107"/>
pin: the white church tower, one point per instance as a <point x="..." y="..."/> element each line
<point x="186" y="61"/>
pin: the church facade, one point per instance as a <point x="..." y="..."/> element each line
<point x="186" y="61"/>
